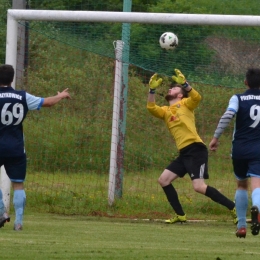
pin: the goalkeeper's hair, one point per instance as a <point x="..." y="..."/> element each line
<point x="6" y="74"/>
<point x="183" y="91"/>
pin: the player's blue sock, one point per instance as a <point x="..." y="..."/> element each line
<point x="19" y="204"/>
<point x="241" y="200"/>
<point x="2" y="205"/>
<point x="256" y="198"/>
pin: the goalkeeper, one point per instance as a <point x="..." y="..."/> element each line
<point x="14" y="105"/>
<point x="193" y="154"/>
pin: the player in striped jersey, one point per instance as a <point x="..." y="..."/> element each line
<point x="193" y="154"/>
<point x="14" y="105"/>
<point x="245" y="149"/>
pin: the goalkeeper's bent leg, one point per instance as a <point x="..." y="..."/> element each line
<point x="173" y="199"/>
<point x="218" y="197"/>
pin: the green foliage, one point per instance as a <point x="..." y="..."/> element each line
<point x="193" y="53"/>
<point x="89" y="5"/>
<point x="4" y="5"/>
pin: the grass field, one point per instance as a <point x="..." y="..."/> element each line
<point x="47" y="236"/>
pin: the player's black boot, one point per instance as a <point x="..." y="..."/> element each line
<point x="3" y="219"/>
<point x="255" y="219"/>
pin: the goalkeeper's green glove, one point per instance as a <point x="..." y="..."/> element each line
<point x="154" y="83"/>
<point x="180" y="78"/>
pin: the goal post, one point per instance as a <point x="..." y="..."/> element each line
<point x="118" y="45"/>
<point x="11" y="55"/>
<point x="134" y="17"/>
<point x="15" y="16"/>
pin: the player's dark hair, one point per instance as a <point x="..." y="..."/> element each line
<point x="6" y="74"/>
<point x="253" y="77"/>
<point x="184" y="92"/>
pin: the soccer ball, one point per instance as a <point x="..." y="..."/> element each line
<point x="168" y="41"/>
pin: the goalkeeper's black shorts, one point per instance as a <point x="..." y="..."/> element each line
<point x="193" y="159"/>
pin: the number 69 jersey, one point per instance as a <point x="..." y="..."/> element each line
<point x="14" y="106"/>
<point x="246" y="139"/>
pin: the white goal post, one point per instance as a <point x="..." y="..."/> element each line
<point x="14" y="16"/>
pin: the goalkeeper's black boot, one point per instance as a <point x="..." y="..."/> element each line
<point x="255" y="219"/>
<point x="3" y="219"/>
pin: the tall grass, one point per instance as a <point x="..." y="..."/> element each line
<point x="86" y="194"/>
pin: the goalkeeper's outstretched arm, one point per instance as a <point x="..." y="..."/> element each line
<point x="155" y="110"/>
<point x="154" y="83"/>
<point x="151" y="97"/>
<point x="180" y="79"/>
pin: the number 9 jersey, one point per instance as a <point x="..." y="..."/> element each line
<point x="14" y="105"/>
<point x="246" y="138"/>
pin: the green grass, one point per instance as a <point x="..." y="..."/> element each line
<point x="47" y="236"/>
<point x="86" y="194"/>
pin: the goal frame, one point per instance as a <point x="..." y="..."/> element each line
<point x="16" y="15"/>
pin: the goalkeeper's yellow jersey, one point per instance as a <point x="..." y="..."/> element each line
<point x="180" y="119"/>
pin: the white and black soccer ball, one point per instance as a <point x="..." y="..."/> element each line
<point x="168" y="41"/>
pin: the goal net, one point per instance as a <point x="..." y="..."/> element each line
<point x="69" y="146"/>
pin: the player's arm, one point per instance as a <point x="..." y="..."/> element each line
<point x="155" y="110"/>
<point x="224" y="122"/>
<point x="194" y="97"/>
<point x="154" y="83"/>
<point x="151" y="97"/>
<point x="193" y="100"/>
<point x="51" y="101"/>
